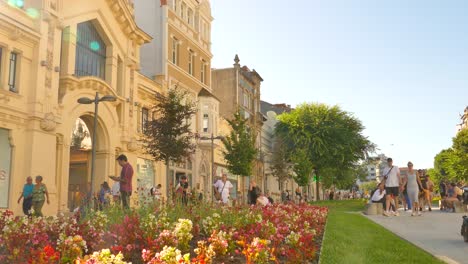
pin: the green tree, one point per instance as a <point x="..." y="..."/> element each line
<point x="240" y="150"/>
<point x="168" y="136"/>
<point x="280" y="163"/>
<point x="331" y="137"/>
<point x="452" y="164"/>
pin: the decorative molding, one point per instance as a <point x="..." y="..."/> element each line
<point x="48" y="122"/>
<point x="71" y="83"/>
<point x="133" y="145"/>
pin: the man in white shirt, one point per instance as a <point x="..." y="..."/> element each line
<point x="392" y="186"/>
<point x="223" y="187"/>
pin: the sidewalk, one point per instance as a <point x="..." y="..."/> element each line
<point x="436" y="232"/>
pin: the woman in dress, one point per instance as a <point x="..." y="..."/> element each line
<point x="412" y="186"/>
<point x="39" y="195"/>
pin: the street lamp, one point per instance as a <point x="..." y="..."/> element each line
<point x="212" y="138"/>
<point x="96" y="100"/>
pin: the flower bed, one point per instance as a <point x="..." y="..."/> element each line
<point x="194" y="234"/>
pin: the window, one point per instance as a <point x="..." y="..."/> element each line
<point x="144" y="119"/>
<point x="183" y="7"/>
<point x="372" y="169"/>
<point x="203" y="71"/>
<point x="176" y="5"/>
<point x="246" y="100"/>
<point x="190" y="62"/>
<point x="205" y="122"/>
<point x="190" y="16"/>
<point x="90" y="52"/>
<point x="175" y="51"/>
<point x="12" y="76"/>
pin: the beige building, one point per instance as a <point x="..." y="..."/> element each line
<point x="238" y="88"/>
<point x="180" y="57"/>
<point x="53" y="52"/>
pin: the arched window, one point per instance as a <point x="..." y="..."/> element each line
<point x="90" y="52"/>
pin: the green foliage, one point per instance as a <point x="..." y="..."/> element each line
<point x="331" y="138"/>
<point x="280" y="166"/>
<point x="452" y="164"/>
<point x="302" y="167"/>
<point x="168" y="136"/>
<point x="369" y="186"/>
<point x="239" y="146"/>
<point x="343" y="178"/>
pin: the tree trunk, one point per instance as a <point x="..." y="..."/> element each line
<point x="317" y="186"/>
<point x="169" y="190"/>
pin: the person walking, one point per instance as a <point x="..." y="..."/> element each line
<point x="412" y="186"/>
<point x="156" y="193"/>
<point x="253" y="193"/>
<point x="125" y="180"/>
<point x="392" y="187"/>
<point x="39" y="195"/>
<point x="26" y="195"/>
<point x="223" y="189"/>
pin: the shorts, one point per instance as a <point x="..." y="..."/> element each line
<point x="392" y="191"/>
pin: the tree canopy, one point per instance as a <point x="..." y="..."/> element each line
<point x="452" y="164"/>
<point x="240" y="150"/>
<point x="168" y="136"/>
<point x="330" y="139"/>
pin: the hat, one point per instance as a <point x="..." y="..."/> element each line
<point x="122" y="157"/>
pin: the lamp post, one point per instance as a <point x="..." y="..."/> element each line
<point x="96" y="100"/>
<point x="212" y="138"/>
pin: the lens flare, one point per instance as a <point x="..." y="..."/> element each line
<point x="94" y="45"/>
<point x="32" y="13"/>
<point x="16" y="3"/>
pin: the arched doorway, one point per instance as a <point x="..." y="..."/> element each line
<point x="79" y="176"/>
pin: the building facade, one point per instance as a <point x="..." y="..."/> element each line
<point x="238" y="88"/>
<point x="180" y="58"/>
<point x="464" y="120"/>
<point x="53" y="52"/>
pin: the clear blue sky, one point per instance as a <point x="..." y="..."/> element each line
<point x="400" y="66"/>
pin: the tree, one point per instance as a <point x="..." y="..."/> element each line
<point x="281" y="166"/>
<point x="331" y="137"/>
<point x="452" y="164"/>
<point x="168" y="136"/>
<point x="240" y="150"/>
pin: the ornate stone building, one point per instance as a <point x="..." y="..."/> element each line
<point x="180" y="56"/>
<point x="53" y="52"/>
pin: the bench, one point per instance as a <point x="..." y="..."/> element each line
<point x="373" y="209"/>
<point x="459" y="207"/>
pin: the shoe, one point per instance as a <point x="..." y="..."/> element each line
<point x="385" y="213"/>
<point x="419" y="214"/>
<point x="413" y="214"/>
<point x="430" y="209"/>
<point x="396" y="214"/>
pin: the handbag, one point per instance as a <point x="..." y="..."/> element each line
<point x="218" y="194"/>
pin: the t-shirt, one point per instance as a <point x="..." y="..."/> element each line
<point x="219" y="186"/>
<point x="116" y="189"/>
<point x="126" y="175"/>
<point x="27" y="190"/>
<point x="377" y="196"/>
<point x="392" y="176"/>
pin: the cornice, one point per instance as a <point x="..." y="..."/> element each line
<point x="127" y="22"/>
<point x="71" y="83"/>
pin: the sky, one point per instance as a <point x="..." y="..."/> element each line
<point x="399" y="66"/>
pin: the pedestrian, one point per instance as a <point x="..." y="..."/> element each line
<point x="104" y="194"/>
<point x="223" y="189"/>
<point x="26" y="195"/>
<point x="253" y="193"/>
<point x="182" y="190"/>
<point x="116" y="192"/>
<point x="269" y="197"/>
<point x="392" y="187"/>
<point x="298" y="194"/>
<point x="413" y="184"/>
<point x="156" y="193"/>
<point x="125" y="180"/>
<point x="39" y="195"/>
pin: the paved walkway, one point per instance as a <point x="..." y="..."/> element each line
<point x="436" y="232"/>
